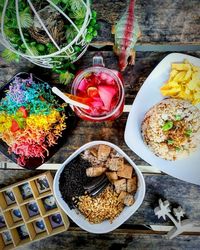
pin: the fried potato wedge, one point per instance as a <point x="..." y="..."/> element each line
<point x="183" y="82"/>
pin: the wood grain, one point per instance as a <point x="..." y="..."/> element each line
<point x="115" y="241"/>
<point x="160" y="21"/>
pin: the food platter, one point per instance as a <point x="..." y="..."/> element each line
<point x="34" y="162"/>
<point x="186" y="169"/>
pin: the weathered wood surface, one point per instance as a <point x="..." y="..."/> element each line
<point x="118" y="241"/>
<point x="157" y="186"/>
<point x="160" y="21"/>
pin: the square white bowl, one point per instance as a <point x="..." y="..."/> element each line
<point x="186" y="169"/>
<point x="105" y="226"/>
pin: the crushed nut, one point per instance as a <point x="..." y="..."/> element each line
<point x="105" y="206"/>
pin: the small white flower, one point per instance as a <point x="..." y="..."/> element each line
<point x="163" y="209"/>
<point x="178" y="212"/>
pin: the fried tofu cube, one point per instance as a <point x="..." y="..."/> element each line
<point x="120" y="185"/>
<point x="103" y="152"/>
<point x="122" y="196"/>
<point x="95" y="171"/>
<point x="112" y="176"/>
<point x="132" y="185"/>
<point x="115" y="164"/>
<point x="129" y="200"/>
<point x="93" y="151"/>
<point x="125" y="172"/>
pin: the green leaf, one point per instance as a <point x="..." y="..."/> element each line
<point x="94" y="14"/>
<point x="94" y="33"/>
<point x="15" y="39"/>
<point x="88" y="38"/>
<point x="67" y="2"/>
<point x="90" y="29"/>
<point x="56" y="1"/>
<point x="167" y="126"/>
<point x="97" y="26"/>
<point x="71" y="33"/>
<point x="178" y="117"/>
<point x="93" y="22"/>
<point x="10" y="56"/>
<point x="52" y="49"/>
<point x="33" y="49"/>
<point x="66" y="78"/>
<point x="78" y="9"/>
<point x="77" y="48"/>
<point x="26" y="18"/>
<point x="11" y="23"/>
<point x="41" y="47"/>
<point x="79" y="22"/>
<point x="188" y="132"/>
<point x="170" y="142"/>
<point x="10" y="32"/>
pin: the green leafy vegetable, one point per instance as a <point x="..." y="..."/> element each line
<point x="167" y="126"/>
<point x="178" y="117"/>
<point x="170" y="142"/>
<point x="188" y="132"/>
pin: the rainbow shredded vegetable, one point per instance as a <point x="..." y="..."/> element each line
<point x="31" y="120"/>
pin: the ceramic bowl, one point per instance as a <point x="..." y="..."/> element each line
<point x="105" y="226"/>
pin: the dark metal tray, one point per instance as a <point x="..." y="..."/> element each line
<point x="71" y="121"/>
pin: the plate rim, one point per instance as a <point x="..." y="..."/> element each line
<point x="168" y="58"/>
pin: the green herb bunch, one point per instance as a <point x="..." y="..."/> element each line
<point x="75" y="9"/>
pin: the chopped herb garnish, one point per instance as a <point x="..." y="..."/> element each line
<point x="170" y="141"/>
<point x="178" y="149"/>
<point x="167" y="126"/>
<point x="178" y="117"/>
<point x="188" y="132"/>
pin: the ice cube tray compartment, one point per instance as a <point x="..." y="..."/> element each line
<point x="30" y="211"/>
<point x="13" y="219"/>
<point x="3" y="244"/>
<point x="34" y="201"/>
<point x="7" y="201"/>
<point x="3" y="225"/>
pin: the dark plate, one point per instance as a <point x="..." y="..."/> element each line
<point x="71" y="122"/>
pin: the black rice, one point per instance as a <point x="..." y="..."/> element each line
<point x="73" y="178"/>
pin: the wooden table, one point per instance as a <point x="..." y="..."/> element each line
<point x="167" y="26"/>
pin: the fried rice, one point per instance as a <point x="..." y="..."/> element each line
<point x="171" y="129"/>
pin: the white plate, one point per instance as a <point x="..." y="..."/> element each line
<point x="105" y="226"/>
<point x="187" y="169"/>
